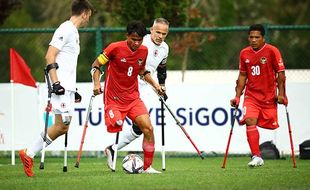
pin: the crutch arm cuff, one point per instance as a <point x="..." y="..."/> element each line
<point x="51" y="66"/>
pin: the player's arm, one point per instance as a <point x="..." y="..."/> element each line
<point x="279" y="67"/>
<point x="162" y="72"/>
<point x="101" y="60"/>
<point x="281" y="98"/>
<point x="51" y="67"/>
<point x="146" y="75"/>
<point x="240" y="85"/>
<point x="50" y="58"/>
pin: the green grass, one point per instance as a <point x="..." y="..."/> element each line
<point x="181" y="173"/>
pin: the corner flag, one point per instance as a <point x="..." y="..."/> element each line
<point x="20" y="72"/>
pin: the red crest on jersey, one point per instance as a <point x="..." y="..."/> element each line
<point x="63" y="105"/>
<point x="155" y="53"/>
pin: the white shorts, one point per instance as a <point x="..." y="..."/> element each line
<point x="63" y="103"/>
<point x="148" y="95"/>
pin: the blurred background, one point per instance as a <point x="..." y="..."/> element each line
<point x="204" y="34"/>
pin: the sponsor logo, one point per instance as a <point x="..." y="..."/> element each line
<point x="202" y="116"/>
<point x="123" y="60"/>
<point x="280" y="63"/>
<point x="247" y="61"/>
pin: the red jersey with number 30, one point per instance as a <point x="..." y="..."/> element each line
<point x="121" y="82"/>
<point x="261" y="68"/>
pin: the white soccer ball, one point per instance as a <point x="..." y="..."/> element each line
<point x="132" y="164"/>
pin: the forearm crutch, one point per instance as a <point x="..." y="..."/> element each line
<point x="230" y="134"/>
<point x="84" y="131"/>
<point x="47" y="111"/>
<point x="290" y="135"/>
<point x="163" y="156"/>
<point x="181" y="126"/>
<point x="65" y="153"/>
<point x="161" y="98"/>
<point x="115" y="152"/>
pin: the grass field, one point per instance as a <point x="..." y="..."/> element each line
<point x="181" y="173"/>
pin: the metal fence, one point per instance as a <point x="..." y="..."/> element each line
<point x="190" y="48"/>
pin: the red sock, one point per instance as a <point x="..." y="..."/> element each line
<point x="253" y="139"/>
<point x="148" y="150"/>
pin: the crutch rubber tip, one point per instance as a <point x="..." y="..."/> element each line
<point x="77" y="165"/>
<point x="223" y="167"/>
<point x="164" y="169"/>
<point x="65" y="169"/>
<point x="113" y="170"/>
<point x="41" y="166"/>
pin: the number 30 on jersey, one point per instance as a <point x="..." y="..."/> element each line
<point x="255" y="70"/>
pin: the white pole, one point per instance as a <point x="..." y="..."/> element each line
<point x="12" y="124"/>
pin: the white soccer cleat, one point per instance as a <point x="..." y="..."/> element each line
<point x="109" y="152"/>
<point x="256" y="161"/>
<point x="151" y="170"/>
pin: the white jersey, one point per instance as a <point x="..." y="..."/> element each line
<point x="156" y="55"/>
<point x="66" y="39"/>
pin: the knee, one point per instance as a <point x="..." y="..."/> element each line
<point x="61" y="127"/>
<point x="251" y="121"/>
<point x="148" y="130"/>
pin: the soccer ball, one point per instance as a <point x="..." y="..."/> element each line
<point x="132" y="164"/>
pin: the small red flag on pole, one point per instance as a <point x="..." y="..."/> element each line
<point x="20" y="72"/>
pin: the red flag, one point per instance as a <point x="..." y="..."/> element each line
<point x="20" y="72"/>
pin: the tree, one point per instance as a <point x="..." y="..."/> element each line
<point x="7" y="7"/>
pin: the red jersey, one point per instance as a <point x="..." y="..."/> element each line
<point x="261" y="68"/>
<point x="121" y="82"/>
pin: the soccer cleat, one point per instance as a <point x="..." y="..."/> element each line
<point x="150" y="170"/>
<point x="109" y="152"/>
<point x="256" y="161"/>
<point x="27" y="162"/>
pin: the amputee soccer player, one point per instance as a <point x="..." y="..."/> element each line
<point x="125" y="61"/>
<point x="261" y="72"/>
<point x="156" y="61"/>
<point x="62" y="55"/>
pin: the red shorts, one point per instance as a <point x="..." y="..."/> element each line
<point x="115" y="112"/>
<point x="267" y="117"/>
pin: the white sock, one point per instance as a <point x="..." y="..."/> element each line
<point x="127" y="137"/>
<point x="37" y="145"/>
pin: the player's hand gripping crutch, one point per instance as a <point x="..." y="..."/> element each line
<point x="84" y="131"/>
<point x="230" y="134"/>
<point x="162" y="99"/>
<point x="290" y="135"/>
<point x="47" y="111"/>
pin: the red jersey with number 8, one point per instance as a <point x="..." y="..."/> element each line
<point x="261" y="68"/>
<point x="121" y="82"/>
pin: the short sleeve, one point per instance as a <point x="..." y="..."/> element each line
<point x="242" y="62"/>
<point x="60" y="38"/>
<point x="278" y="63"/>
